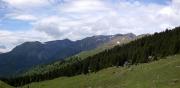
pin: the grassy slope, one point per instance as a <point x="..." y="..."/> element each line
<point x="4" y="85"/>
<point x="86" y="54"/>
<point x="164" y="73"/>
<point x="108" y="45"/>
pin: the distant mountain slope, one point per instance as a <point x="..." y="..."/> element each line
<point x="116" y="40"/>
<point x="164" y="73"/>
<point x="30" y="54"/>
<point x="143" y="50"/>
<point x="4" y="85"/>
<point x="119" y="40"/>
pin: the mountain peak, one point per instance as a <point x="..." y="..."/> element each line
<point x="130" y="34"/>
<point x="30" y="54"/>
<point x="64" y="40"/>
<point x="33" y="42"/>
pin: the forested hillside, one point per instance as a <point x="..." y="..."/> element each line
<point x="118" y="40"/>
<point x="29" y="54"/>
<point x="163" y="73"/>
<point x="142" y="50"/>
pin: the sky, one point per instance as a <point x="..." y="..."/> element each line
<point x="47" y="20"/>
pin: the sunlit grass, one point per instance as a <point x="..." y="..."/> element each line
<point x="164" y="73"/>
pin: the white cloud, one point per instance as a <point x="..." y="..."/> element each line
<point x="23" y="17"/>
<point x="84" y="6"/>
<point x="76" y="19"/>
<point x="11" y="39"/>
<point x="21" y="4"/>
<point x="99" y="17"/>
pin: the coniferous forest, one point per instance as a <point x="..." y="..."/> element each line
<point x="144" y="50"/>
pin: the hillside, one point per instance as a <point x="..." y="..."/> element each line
<point x="29" y="54"/>
<point x="164" y="73"/>
<point x="117" y="40"/>
<point x="143" y="50"/>
<point x="4" y="85"/>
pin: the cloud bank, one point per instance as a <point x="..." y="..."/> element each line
<point x="75" y="19"/>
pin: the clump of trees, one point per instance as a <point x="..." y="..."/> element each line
<point x="142" y="50"/>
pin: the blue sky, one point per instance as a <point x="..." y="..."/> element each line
<point x="46" y="20"/>
<point x="155" y="1"/>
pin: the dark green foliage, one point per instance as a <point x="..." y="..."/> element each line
<point x="29" y="54"/>
<point x="143" y="50"/>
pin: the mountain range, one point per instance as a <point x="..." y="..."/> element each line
<point x="118" y="40"/>
<point x="125" y="56"/>
<point x="29" y="54"/>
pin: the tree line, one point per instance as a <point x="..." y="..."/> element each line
<point x="142" y="50"/>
